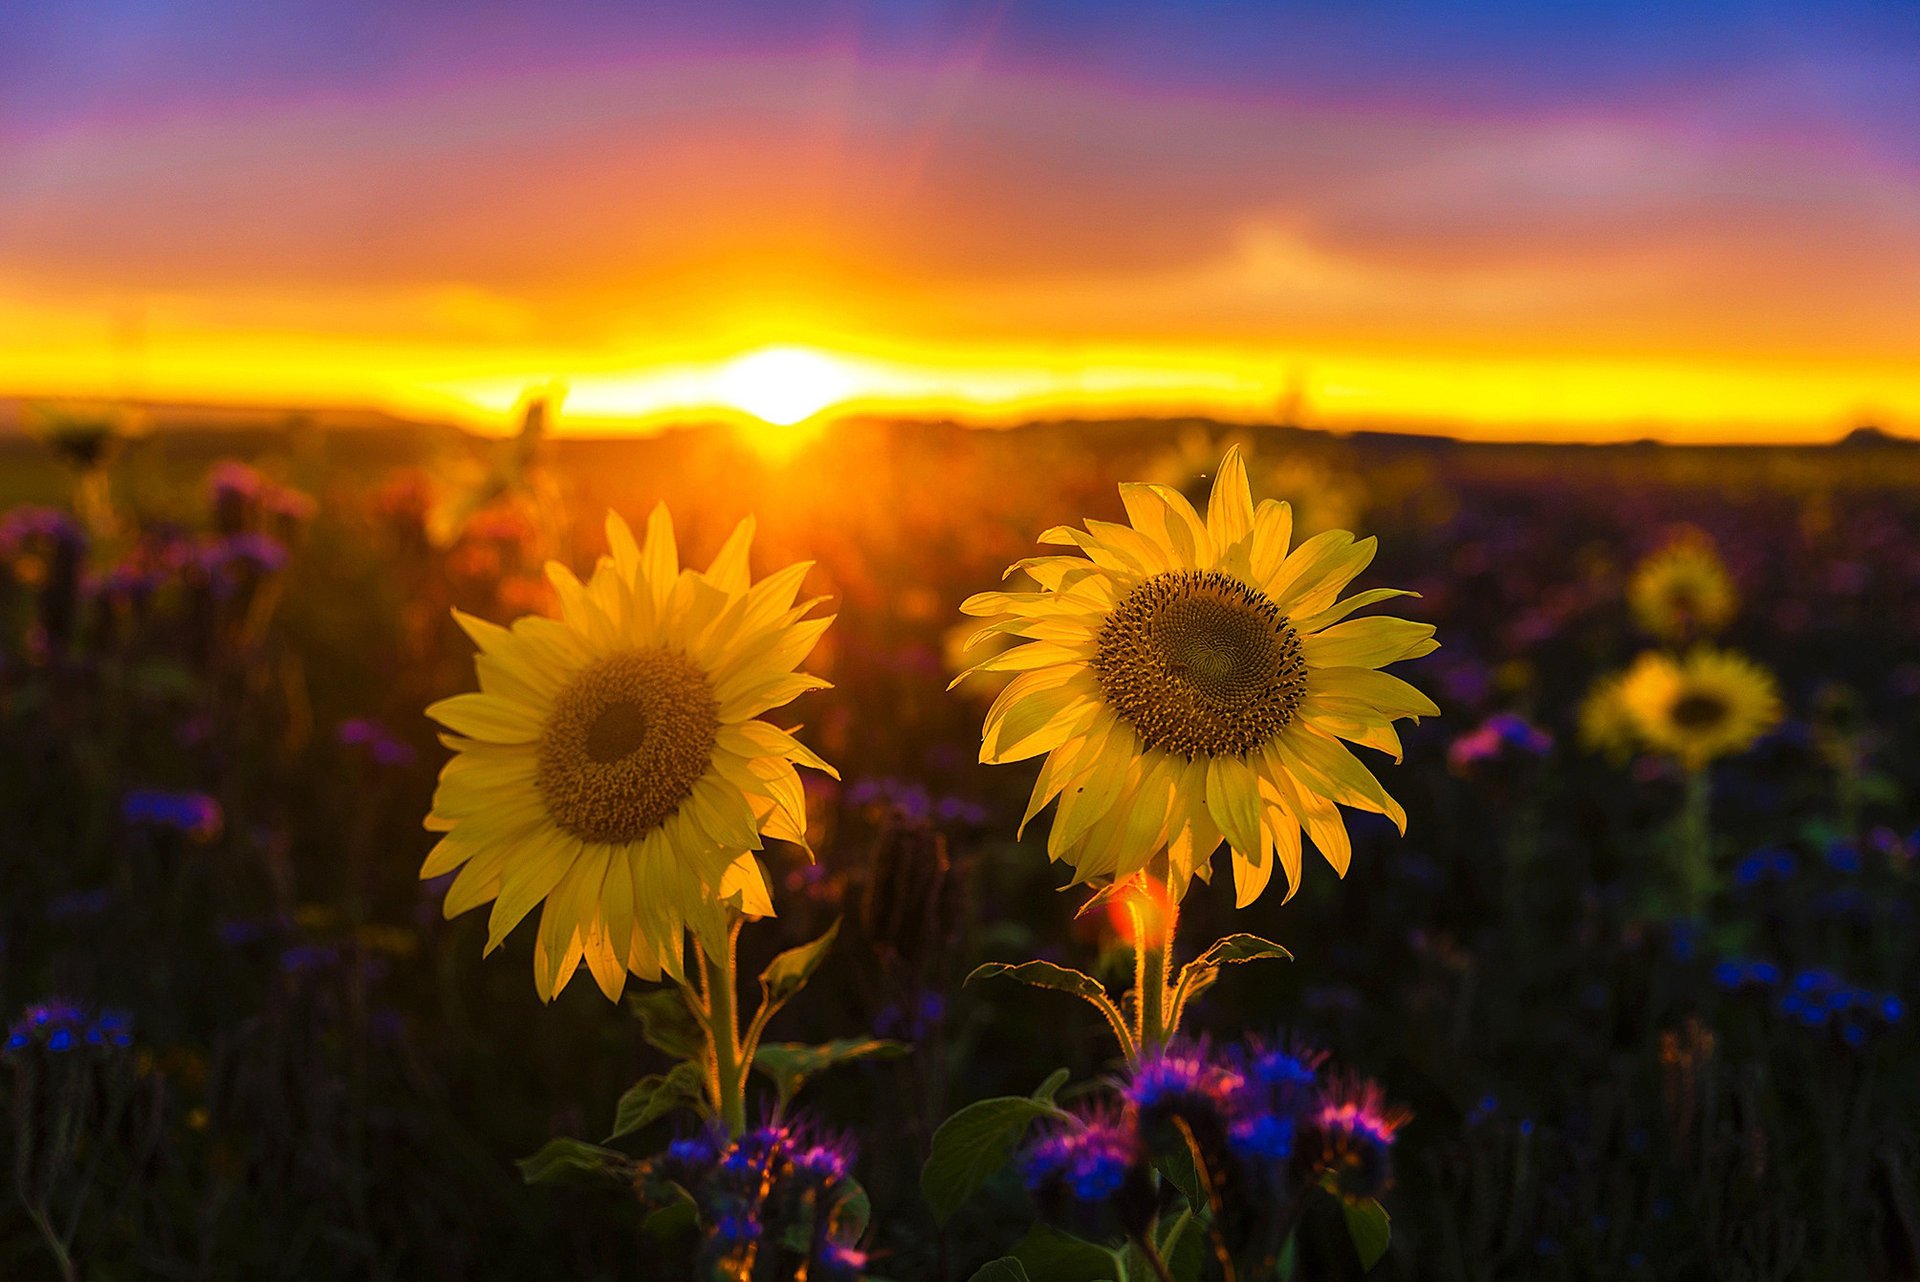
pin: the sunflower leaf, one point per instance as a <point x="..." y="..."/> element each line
<point x="667" y="1022"/>
<point x="788" y="973"/>
<point x="791" y="1064"/>
<point x="1005" y="1269"/>
<point x="560" y="1158"/>
<point x="656" y="1095"/>
<point x="1199" y="974"/>
<point x="1042" y="974"/>
<point x="1241" y="948"/>
<point x="1064" y="979"/>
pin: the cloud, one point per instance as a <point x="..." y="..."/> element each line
<point x="691" y="201"/>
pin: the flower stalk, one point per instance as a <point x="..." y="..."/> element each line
<point x="1154" y="919"/>
<point x="1696" y="843"/>
<point x="726" y="1057"/>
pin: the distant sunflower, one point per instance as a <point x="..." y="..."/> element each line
<point x="1704" y="705"/>
<point x="611" y="764"/>
<point x="1683" y="591"/>
<point x="1190" y="682"/>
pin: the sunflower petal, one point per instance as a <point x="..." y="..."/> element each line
<point x="1230" y="507"/>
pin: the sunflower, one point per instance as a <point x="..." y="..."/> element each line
<point x="1704" y="705"/>
<point x="1683" y="591"/>
<point x="1190" y="681"/>
<point x="611" y="763"/>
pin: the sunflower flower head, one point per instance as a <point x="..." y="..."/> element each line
<point x="1190" y="680"/>
<point x="613" y="766"/>
<point x="1683" y="592"/>
<point x="1700" y="707"/>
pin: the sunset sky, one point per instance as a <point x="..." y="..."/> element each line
<point x="1529" y="219"/>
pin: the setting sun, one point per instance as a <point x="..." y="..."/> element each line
<point x="784" y="385"/>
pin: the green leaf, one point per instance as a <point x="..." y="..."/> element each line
<point x="791" y="1064"/>
<point x="1370" y="1229"/>
<point x="1198" y="975"/>
<point x="1041" y="974"/>
<point x="1048" y="1253"/>
<point x="1005" y="1269"/>
<point x="1240" y="948"/>
<point x="676" y="1219"/>
<point x="1062" y="979"/>
<point x="656" y="1095"/>
<point x="1182" y="1169"/>
<point x="977" y="1141"/>
<point x="666" y="1022"/>
<point x="788" y="973"/>
<point x="1184" y="1247"/>
<point x="558" y="1159"/>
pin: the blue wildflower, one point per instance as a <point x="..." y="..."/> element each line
<point x="194" y="814"/>
<point x="1089" y="1158"/>
<point x="1265" y="1137"/>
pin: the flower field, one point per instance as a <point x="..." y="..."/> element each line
<point x="781" y="886"/>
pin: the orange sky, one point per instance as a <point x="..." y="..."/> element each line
<point x="951" y="241"/>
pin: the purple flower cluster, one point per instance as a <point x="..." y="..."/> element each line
<point x="193" y="814"/>
<point x="912" y="801"/>
<point x="374" y="739"/>
<point x="60" y="1025"/>
<point x="1356" y="1127"/>
<point x="777" y="1186"/>
<point x="1261" y="1120"/>
<point x="1092" y="1158"/>
<point x="1501" y="740"/>
<point x="244" y="500"/>
<point x="33" y="529"/>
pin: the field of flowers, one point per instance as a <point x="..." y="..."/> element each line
<point x="1630" y="998"/>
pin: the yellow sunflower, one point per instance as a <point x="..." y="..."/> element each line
<point x="1683" y="591"/>
<point x="1707" y="704"/>
<point x="611" y="763"/>
<point x="1190" y="682"/>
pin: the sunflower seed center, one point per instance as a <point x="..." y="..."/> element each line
<point x="1699" y="711"/>
<point x="625" y="743"/>
<point x="1201" y="664"/>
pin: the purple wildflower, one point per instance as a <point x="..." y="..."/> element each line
<point x="194" y="814"/>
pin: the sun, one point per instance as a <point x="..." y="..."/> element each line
<point x="784" y="385"/>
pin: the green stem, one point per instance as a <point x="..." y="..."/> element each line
<point x="1154" y="1259"/>
<point x="726" y="1066"/>
<point x="1696" y="843"/>
<point x="63" y="1259"/>
<point x="1152" y="967"/>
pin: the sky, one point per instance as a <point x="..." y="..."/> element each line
<point x="1567" y="220"/>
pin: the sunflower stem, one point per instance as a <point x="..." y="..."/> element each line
<point x="726" y="1066"/>
<point x="1153" y="929"/>
<point x="1696" y="843"/>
